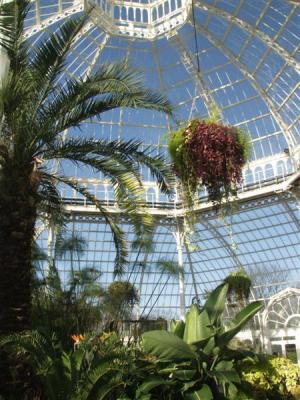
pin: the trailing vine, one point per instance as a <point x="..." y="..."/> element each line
<point x="208" y="153"/>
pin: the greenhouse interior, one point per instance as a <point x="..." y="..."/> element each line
<point x="149" y="199"/>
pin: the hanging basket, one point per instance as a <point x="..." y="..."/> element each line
<point x="239" y="285"/>
<point x="209" y="154"/>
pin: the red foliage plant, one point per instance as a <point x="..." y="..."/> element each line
<point x="210" y="154"/>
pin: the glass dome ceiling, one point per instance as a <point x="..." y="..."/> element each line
<point x="249" y="64"/>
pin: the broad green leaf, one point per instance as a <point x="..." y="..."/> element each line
<point x="184" y="374"/>
<point x="197" y="326"/>
<point x="211" y="344"/>
<point x="225" y="372"/>
<point x="238" y="322"/>
<point x="149" y="385"/>
<point x="215" y="303"/>
<point x="203" y="394"/>
<point x="166" y="345"/>
<point x="177" y="327"/>
<point x="232" y="391"/>
<point x="189" y="385"/>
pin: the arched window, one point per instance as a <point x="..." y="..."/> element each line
<point x="154" y="14"/>
<point x="259" y="175"/>
<point x="116" y="12"/>
<point x="281" y="170"/>
<point x="248" y="179"/>
<point x="130" y="14"/>
<point x="289" y="166"/>
<point x="269" y="172"/>
<point x="166" y="7"/>
<point x="150" y="196"/>
<point x="173" y="5"/>
<point x="145" y="16"/>
<point x="138" y="15"/>
<point x="101" y="192"/>
<point x="123" y="13"/>
<point x="160" y="11"/>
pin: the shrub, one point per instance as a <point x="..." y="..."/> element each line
<point x="271" y="378"/>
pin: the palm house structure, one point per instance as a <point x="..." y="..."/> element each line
<point x="242" y="57"/>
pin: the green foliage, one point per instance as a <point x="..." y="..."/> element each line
<point x="100" y="367"/>
<point x="119" y="300"/>
<point x="194" y="357"/>
<point x="239" y="285"/>
<point x="271" y="370"/>
<point x="39" y="101"/>
<point x="66" y="311"/>
<point x="182" y="166"/>
<point x="205" y="152"/>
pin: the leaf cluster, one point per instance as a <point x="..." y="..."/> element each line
<point x="194" y="358"/>
<point x="40" y="103"/>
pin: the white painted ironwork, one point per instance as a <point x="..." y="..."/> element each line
<point x="249" y="75"/>
<point x="252" y="30"/>
<point x="187" y="61"/>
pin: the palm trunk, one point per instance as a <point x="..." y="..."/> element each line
<point x="18" y="213"/>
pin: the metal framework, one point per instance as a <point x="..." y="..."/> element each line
<point x="249" y="66"/>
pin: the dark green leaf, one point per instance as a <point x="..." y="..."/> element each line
<point x="177" y="327"/>
<point x="238" y="322"/>
<point x="216" y="302"/>
<point x="197" y="326"/>
<point x="203" y="394"/>
<point x="148" y="385"/>
<point x="166" y="345"/>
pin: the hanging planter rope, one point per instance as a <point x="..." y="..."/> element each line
<point x="209" y="154"/>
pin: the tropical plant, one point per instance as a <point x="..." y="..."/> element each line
<point x="100" y="367"/>
<point x="67" y="309"/>
<point x="119" y="300"/>
<point x="38" y="102"/>
<point x="239" y="285"/>
<point x="79" y="374"/>
<point x="194" y="358"/>
<point x="69" y="246"/>
<point x="269" y="371"/>
<point x="210" y="154"/>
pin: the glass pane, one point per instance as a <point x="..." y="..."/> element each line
<point x="276" y="350"/>
<point x="291" y="353"/>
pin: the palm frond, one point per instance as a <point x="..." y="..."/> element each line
<point x="97" y="154"/>
<point x="14" y="20"/>
<point x="118" y="234"/>
<point x="168" y="267"/>
<point x="48" y="60"/>
<point x="119" y="81"/>
<point x="158" y="168"/>
<point x="6" y="25"/>
<point x="73" y="244"/>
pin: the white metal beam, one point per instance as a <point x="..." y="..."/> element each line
<point x="42" y="24"/>
<point x="97" y="55"/>
<point x="187" y="60"/>
<point x="249" y="75"/>
<point x="252" y="31"/>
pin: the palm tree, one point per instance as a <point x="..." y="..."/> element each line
<point x="37" y="104"/>
<point x="70" y="246"/>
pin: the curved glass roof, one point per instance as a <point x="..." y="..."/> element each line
<point x="248" y="57"/>
<point x="249" y="65"/>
